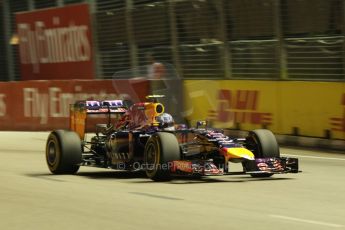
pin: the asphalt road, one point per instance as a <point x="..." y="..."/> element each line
<point x="32" y="198"/>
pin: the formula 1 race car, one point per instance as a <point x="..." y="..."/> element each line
<point x="143" y="137"/>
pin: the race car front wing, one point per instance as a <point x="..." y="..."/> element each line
<point x="275" y="165"/>
<point x="272" y="165"/>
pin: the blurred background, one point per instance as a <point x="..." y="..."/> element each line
<point x="241" y="64"/>
<point x="203" y="39"/>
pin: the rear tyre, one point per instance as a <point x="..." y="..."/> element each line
<point x="161" y="149"/>
<point x="264" y="145"/>
<point x="63" y="152"/>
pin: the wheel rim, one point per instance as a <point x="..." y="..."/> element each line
<point x="52" y="153"/>
<point x="151" y="157"/>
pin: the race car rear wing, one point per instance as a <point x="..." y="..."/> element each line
<point x="81" y="109"/>
<point x="102" y="107"/>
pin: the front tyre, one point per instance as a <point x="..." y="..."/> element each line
<point x="160" y="150"/>
<point x="63" y="152"/>
<point x="263" y="144"/>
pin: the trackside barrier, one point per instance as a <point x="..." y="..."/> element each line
<point x="44" y="105"/>
<point x="315" y="109"/>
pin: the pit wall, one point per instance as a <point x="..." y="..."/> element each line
<point x="44" y="105"/>
<point x="315" y="109"/>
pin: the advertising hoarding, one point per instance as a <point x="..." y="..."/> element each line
<point x="55" y="43"/>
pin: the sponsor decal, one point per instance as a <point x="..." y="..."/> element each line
<point x="183" y="166"/>
<point x="239" y="106"/>
<point x="40" y="45"/>
<point x="56" y="102"/>
<point x="45" y="105"/>
<point x="55" y="43"/>
<point x="2" y="105"/>
<point x="272" y="164"/>
<point x="338" y="123"/>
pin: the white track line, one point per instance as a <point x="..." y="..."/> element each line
<point x="307" y="221"/>
<point x="314" y="157"/>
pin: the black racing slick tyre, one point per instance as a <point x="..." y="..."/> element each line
<point x="161" y="149"/>
<point x="263" y="144"/>
<point x="63" y="152"/>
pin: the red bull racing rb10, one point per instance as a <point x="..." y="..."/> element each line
<point x="142" y="136"/>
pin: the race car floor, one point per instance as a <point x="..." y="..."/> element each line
<point x="32" y="198"/>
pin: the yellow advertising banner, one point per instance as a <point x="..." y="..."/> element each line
<point x="314" y="109"/>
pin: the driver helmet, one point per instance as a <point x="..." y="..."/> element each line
<point x="166" y="121"/>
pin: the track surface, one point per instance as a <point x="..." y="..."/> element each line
<point x="32" y="198"/>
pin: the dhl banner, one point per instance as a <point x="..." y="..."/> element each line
<point x="44" y="105"/>
<point x="309" y="108"/>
